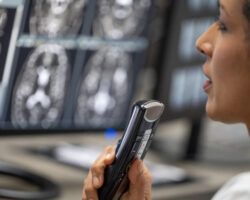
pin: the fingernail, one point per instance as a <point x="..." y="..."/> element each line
<point x="96" y="181"/>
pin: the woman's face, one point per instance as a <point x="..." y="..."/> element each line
<point x="227" y="66"/>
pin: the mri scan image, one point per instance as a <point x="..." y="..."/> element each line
<point x="56" y="17"/>
<point x="105" y="88"/>
<point x="121" y="18"/>
<point x="40" y="87"/>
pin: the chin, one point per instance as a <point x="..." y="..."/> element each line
<point x="218" y="114"/>
<point x="222" y="116"/>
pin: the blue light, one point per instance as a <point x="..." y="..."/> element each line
<point x="110" y="134"/>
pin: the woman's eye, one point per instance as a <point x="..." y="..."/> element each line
<point x="221" y="26"/>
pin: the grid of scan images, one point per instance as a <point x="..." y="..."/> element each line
<point x="70" y="64"/>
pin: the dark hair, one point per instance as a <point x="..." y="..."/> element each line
<point x="246" y="12"/>
<point x="246" y="9"/>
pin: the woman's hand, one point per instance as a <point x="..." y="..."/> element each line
<point x="139" y="176"/>
<point x="140" y="182"/>
<point x="95" y="177"/>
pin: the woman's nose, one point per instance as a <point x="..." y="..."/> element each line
<point x="198" y="45"/>
<point x="205" y="48"/>
<point x="204" y="43"/>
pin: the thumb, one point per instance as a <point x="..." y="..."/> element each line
<point x="140" y="182"/>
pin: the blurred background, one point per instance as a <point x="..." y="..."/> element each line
<point x="70" y="71"/>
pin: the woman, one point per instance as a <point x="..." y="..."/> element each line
<point x="226" y="45"/>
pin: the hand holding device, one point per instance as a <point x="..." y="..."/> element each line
<point x="134" y="144"/>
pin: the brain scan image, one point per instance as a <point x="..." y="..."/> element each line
<point x="56" y="17"/>
<point x="120" y="18"/>
<point x="40" y="87"/>
<point x="106" y="83"/>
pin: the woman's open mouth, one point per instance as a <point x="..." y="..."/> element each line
<point x="207" y="85"/>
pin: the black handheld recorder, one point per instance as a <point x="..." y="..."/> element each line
<point x="134" y="144"/>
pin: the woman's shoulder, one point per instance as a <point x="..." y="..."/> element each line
<point x="236" y="188"/>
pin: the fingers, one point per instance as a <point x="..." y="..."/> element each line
<point x="100" y="164"/>
<point x="95" y="177"/>
<point x="140" y="182"/>
<point x="89" y="191"/>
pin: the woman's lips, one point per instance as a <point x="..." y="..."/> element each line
<point x="207" y="85"/>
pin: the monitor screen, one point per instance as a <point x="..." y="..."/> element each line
<point x="70" y="65"/>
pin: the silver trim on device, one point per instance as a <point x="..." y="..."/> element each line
<point x="153" y="111"/>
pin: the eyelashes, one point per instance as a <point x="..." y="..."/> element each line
<point x="220" y="24"/>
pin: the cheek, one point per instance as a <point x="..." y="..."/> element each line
<point x="222" y="72"/>
<point x="224" y="93"/>
<point x="229" y="65"/>
<point x="231" y="86"/>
